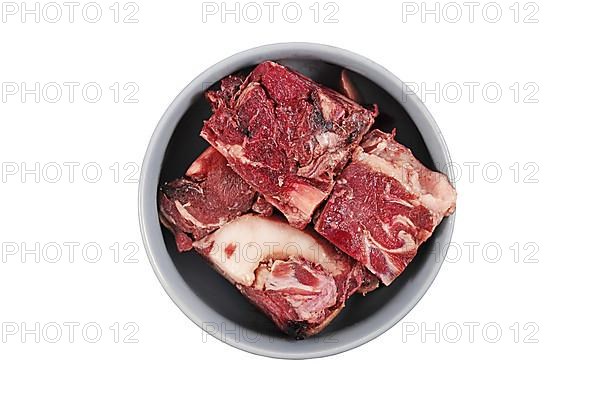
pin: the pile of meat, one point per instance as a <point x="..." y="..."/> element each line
<point x="296" y="202"/>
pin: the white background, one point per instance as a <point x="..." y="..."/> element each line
<point x="549" y="211"/>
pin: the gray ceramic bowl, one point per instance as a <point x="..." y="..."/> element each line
<point x="208" y="299"/>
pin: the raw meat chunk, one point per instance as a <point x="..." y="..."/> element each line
<point x="295" y="277"/>
<point x="294" y="293"/>
<point x="385" y="204"/>
<point x="211" y="195"/>
<point x="285" y="135"/>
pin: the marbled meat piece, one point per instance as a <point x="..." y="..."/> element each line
<point x="285" y="135"/>
<point x="385" y="204"/>
<point x="210" y="195"/>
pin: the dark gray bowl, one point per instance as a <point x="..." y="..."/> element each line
<point x="208" y="299"/>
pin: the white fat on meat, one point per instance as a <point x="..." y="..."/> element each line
<point x="240" y="246"/>
<point x="189" y="217"/>
<point x="433" y="189"/>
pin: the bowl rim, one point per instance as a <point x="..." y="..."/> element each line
<point x="165" y="270"/>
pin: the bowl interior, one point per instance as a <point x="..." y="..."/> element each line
<point x="185" y="145"/>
